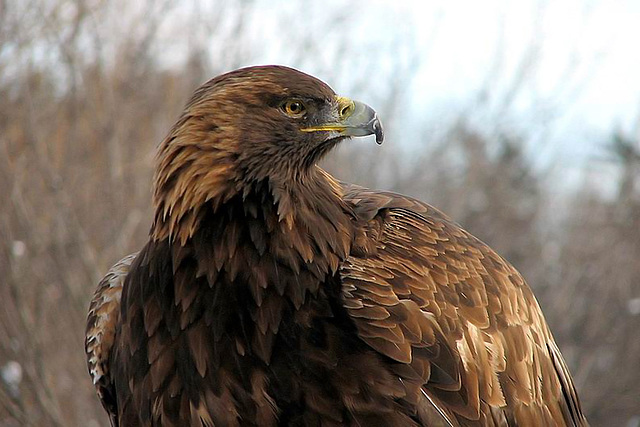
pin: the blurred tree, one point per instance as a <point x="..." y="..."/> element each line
<point x="89" y="87"/>
<point x="595" y="302"/>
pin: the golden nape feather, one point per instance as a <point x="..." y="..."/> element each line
<point x="271" y="294"/>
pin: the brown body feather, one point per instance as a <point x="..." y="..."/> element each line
<point x="269" y="294"/>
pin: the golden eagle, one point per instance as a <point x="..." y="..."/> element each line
<point x="271" y="294"/>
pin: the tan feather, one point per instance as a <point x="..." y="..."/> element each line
<point x="102" y="321"/>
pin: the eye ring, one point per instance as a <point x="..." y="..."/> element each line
<point x="294" y="108"/>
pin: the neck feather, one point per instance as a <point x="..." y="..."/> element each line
<point x="310" y="209"/>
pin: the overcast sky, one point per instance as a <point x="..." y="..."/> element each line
<point x="599" y="39"/>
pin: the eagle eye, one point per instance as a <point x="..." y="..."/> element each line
<point x="294" y="108"/>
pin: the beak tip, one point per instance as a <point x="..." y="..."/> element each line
<point x="378" y="131"/>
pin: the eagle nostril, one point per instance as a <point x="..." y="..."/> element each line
<point x="346" y="111"/>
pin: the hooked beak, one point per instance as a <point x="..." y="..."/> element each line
<point x="354" y="119"/>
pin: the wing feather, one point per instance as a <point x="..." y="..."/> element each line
<point x="102" y="320"/>
<point x="425" y="293"/>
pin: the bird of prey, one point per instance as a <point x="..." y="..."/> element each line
<point x="269" y="293"/>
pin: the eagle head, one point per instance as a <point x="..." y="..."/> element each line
<point x="250" y="126"/>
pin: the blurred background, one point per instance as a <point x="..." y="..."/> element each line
<point x="521" y="120"/>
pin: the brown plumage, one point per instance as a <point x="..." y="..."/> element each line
<point x="271" y="294"/>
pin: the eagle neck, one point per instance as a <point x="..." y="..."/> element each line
<point x="301" y="224"/>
